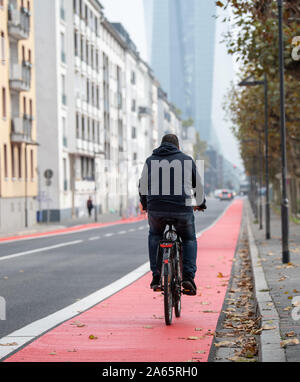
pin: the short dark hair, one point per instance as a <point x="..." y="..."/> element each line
<point x="171" y="138"/>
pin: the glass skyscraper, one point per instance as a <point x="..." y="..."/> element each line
<point x="182" y="55"/>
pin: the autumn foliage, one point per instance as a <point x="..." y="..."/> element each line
<point x="253" y="41"/>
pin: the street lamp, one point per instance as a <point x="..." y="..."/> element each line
<point x="246" y="82"/>
<point x="285" y="202"/>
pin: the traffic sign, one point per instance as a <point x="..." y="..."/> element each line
<point x="48" y="174"/>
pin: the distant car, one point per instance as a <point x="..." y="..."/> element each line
<point x="226" y="195"/>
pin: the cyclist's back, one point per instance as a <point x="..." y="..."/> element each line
<point x="166" y="185"/>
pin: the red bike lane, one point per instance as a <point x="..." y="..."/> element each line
<point x="129" y="326"/>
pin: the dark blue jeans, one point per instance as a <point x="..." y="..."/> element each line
<point x="185" y="227"/>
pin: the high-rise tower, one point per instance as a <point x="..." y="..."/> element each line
<point x="182" y="55"/>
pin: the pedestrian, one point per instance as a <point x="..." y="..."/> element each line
<point x="90" y="206"/>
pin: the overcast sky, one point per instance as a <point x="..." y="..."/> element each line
<point x="131" y="14"/>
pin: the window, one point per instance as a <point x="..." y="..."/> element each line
<point x="24" y="106"/>
<point x="2" y="48"/>
<point x="133" y="78"/>
<point x="31" y="164"/>
<point x="98" y="133"/>
<point x="62" y="9"/>
<point x="13" y="161"/>
<point x="87" y="91"/>
<point x="62" y="47"/>
<point x="81" y="48"/>
<point x="77" y="125"/>
<point x="133" y="133"/>
<point x="5" y="162"/>
<point x="30" y="108"/>
<point x="88" y="129"/>
<point x="65" y="174"/>
<point x="3" y="102"/>
<point x="82" y="127"/>
<point x="133" y="105"/>
<point x="63" y="88"/>
<point x="64" y="131"/>
<point x="134" y="156"/>
<point x="93" y="131"/>
<point x="19" y="162"/>
<point x="76" y="43"/>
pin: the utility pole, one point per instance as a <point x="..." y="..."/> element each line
<point x="284" y="202"/>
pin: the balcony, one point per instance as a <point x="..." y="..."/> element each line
<point x="20" y="77"/>
<point x="21" y="129"/>
<point x="19" y="23"/>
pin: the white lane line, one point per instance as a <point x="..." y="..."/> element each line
<point x="38" y="250"/>
<point x="108" y="234"/>
<point x="122" y="232"/>
<point x="140" y="228"/>
<point x="30" y="332"/>
<point x="132" y="230"/>
<point x="94" y="238"/>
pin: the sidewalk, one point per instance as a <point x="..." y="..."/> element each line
<point x="44" y="227"/>
<point x="283" y="282"/>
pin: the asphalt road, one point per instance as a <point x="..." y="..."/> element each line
<point x="43" y="275"/>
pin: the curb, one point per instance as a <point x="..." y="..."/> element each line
<point x="270" y="350"/>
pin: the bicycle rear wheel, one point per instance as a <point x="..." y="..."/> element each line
<point x="178" y="279"/>
<point x="168" y="297"/>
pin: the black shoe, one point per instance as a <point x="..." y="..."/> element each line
<point x="189" y="286"/>
<point x="155" y="284"/>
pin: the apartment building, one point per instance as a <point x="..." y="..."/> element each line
<point x="97" y="111"/>
<point x="18" y="139"/>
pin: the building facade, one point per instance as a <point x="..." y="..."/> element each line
<point x="99" y="111"/>
<point x="18" y="138"/>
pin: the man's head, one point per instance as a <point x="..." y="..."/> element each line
<point x="171" y="138"/>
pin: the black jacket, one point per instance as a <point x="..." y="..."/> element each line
<point x="169" y="180"/>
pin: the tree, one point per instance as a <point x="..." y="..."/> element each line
<point x="253" y="40"/>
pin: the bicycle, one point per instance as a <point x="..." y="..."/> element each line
<point x="169" y="259"/>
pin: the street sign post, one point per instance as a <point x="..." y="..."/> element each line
<point x="48" y="174"/>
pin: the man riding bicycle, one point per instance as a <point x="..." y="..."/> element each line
<point x="169" y="181"/>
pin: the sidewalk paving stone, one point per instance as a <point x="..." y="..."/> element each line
<point x="283" y="279"/>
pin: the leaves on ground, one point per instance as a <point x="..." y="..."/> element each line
<point x="225" y="344"/>
<point x="290" y="334"/>
<point x="9" y="344"/>
<point x="269" y="327"/>
<point x="92" y="337"/>
<point x="289" y="342"/>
